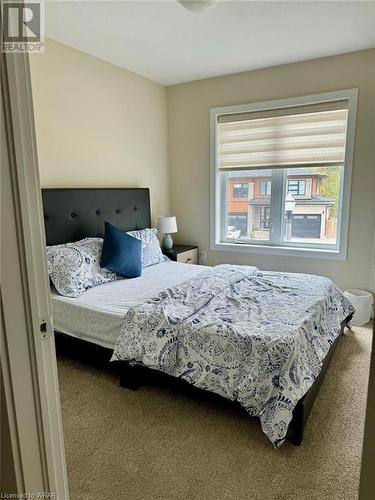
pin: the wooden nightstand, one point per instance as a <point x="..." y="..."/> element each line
<point x="188" y="254"/>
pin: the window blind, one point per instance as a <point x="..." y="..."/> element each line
<point x="312" y="135"/>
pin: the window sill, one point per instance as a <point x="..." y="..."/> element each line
<point x="316" y="253"/>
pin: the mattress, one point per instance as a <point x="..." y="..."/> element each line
<point x="96" y="316"/>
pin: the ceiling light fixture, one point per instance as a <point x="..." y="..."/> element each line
<point x="198" y="5"/>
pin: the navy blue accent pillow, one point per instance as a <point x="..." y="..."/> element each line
<point x="121" y="253"/>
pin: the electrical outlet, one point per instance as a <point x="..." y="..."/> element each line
<point x="202" y="255"/>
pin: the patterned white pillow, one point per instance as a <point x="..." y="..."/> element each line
<point x="75" y="267"/>
<point x="151" y="251"/>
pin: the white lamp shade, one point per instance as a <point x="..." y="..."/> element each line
<point x="167" y="224"/>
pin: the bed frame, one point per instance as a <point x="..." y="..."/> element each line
<point x="72" y="214"/>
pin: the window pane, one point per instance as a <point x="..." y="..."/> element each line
<point x="247" y="212"/>
<point x="297" y="187"/>
<point x="312" y="205"/>
<point x="265" y="187"/>
<point x="240" y="190"/>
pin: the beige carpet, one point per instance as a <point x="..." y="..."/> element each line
<point x="157" y="444"/>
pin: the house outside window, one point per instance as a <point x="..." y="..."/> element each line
<point x="305" y="164"/>
<point x="240" y="190"/>
<point x="265" y="188"/>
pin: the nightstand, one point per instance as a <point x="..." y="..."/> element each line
<point x="188" y="254"/>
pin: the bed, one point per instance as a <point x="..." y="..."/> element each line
<point x="219" y="329"/>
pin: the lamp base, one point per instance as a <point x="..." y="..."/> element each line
<point x="167" y="242"/>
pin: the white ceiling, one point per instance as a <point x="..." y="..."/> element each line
<point x="169" y="44"/>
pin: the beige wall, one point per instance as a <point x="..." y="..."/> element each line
<point x="98" y="125"/>
<point x="189" y="106"/>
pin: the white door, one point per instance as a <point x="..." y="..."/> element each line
<point x="28" y="362"/>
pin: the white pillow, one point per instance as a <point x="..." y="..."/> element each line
<point x="151" y="251"/>
<point x="75" y="267"/>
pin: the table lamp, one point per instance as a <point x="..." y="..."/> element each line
<point x="167" y="225"/>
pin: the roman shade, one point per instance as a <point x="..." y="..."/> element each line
<point x="312" y="135"/>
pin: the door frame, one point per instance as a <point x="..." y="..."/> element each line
<point x="28" y="359"/>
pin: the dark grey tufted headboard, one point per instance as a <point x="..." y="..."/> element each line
<point x="73" y="214"/>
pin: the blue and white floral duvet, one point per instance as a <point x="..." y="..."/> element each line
<point x="251" y="336"/>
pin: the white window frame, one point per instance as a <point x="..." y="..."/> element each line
<point x="293" y="249"/>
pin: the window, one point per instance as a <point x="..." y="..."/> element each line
<point x="265" y="188"/>
<point x="240" y="190"/>
<point x="296" y="155"/>
<point x="297" y="187"/>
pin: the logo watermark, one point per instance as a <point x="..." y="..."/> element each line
<point x="22" y="26"/>
<point x="27" y="496"/>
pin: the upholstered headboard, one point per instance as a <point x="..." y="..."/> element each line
<point x="73" y="214"/>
